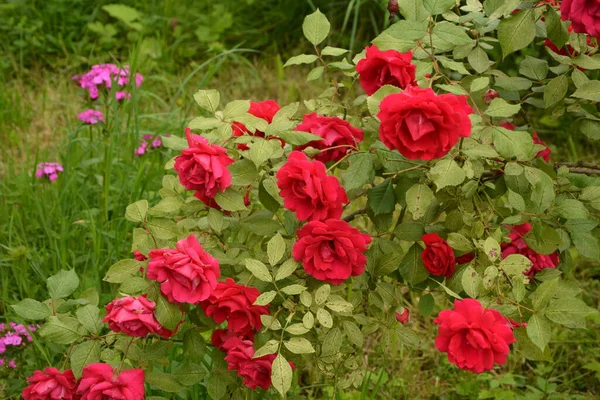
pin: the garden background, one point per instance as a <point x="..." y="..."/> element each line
<point x="239" y="47"/>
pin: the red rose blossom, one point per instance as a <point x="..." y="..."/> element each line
<point x="403" y="316"/>
<point x="473" y="337"/>
<point x="544" y="154"/>
<point x="255" y="371"/>
<point x="583" y="14"/>
<point x="220" y="336"/>
<point x="331" y="250"/>
<point x="139" y="256"/>
<point x="99" y="383"/>
<point x="134" y="317"/>
<point x="308" y="190"/>
<point x="262" y="109"/>
<point x="203" y="166"/>
<point x="438" y="256"/>
<point x="234" y="303"/>
<point x="465" y="258"/>
<point x="335" y="132"/>
<point x="519" y="246"/>
<point x="388" y="67"/>
<point x="187" y="274"/>
<point x="422" y="125"/>
<point x="50" y="385"/>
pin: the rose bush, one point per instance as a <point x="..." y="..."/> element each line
<point x="290" y="239"/>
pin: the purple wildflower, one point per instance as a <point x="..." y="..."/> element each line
<point x="91" y="117"/>
<point x="50" y="169"/>
<point x="106" y="74"/>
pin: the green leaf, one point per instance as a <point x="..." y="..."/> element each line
<point x="516" y="200"/>
<point x="556" y="90"/>
<point x="501" y="109"/>
<point x="301" y="59"/>
<point x="89" y="317"/>
<point x="315" y="73"/>
<point x="298" y="138"/>
<point x="539" y="330"/>
<point x="513" y="83"/>
<point x="480" y="84"/>
<point x="339" y="305"/>
<point x="322" y="294"/>
<point x="580" y="225"/>
<point x="208" y="99"/>
<point x="84" y="353"/>
<point x="281" y="374"/>
<point x="163" y="228"/>
<point x="375" y="99"/>
<point x="587" y="62"/>
<point x="324" y="318"/>
<point x="31" y="309"/>
<point x="189" y="374"/>
<point x="590" y="128"/>
<point x="418" y="199"/>
<point x="446" y="172"/>
<point x="454" y="89"/>
<point x="407" y="30"/>
<point x="293" y="289"/>
<point x="332" y="342"/>
<point x="509" y="144"/>
<point x="265" y="298"/>
<point x="534" y="68"/>
<point x="286" y="269"/>
<point x="459" y="242"/>
<point x="407" y="336"/>
<point x="569" y="312"/>
<point x="515" y="265"/>
<point x="451" y="33"/>
<point x="298" y="345"/>
<point x="435" y="7"/>
<point x="588" y="91"/>
<point x="167" y="313"/>
<point x="491" y="248"/>
<point x="268" y="194"/>
<point x="382" y="198"/>
<point x="556" y="29"/>
<point x="353" y="333"/>
<point x="61" y="331"/>
<point x="586" y="244"/>
<point x="426" y="304"/>
<point x="471" y="282"/>
<point x="194" y="345"/>
<point x="360" y="171"/>
<point x="413" y="10"/>
<point x="62" y="284"/>
<point x="516" y="32"/>
<point x="204" y="123"/>
<point x="411" y="267"/>
<point x="230" y="200"/>
<point x="316" y="28"/>
<point x="262" y="149"/>
<point x="259" y="270"/>
<point x="571" y="209"/>
<point x="136" y="212"/>
<point x="544" y="293"/>
<point x="122" y="270"/>
<point x="163" y="381"/>
<point x="216" y="385"/>
<point x="268" y="348"/>
<point x="590" y="193"/>
<point x="215" y="220"/>
<point x="333" y="51"/>
<point x="526" y="347"/>
<point x="276" y="249"/>
<point x="479" y="60"/>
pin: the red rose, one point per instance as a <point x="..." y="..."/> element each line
<point x="187" y="274"/>
<point x="308" y="190"/>
<point x="474" y="337"/>
<point x="331" y="250"/>
<point x="438" y="256"/>
<point x="388" y="67"/>
<point x="261" y="109"/>
<point x="235" y="304"/>
<point x="339" y="137"/>
<point x="519" y="246"/>
<point x="139" y="256"/>
<point x="255" y="371"/>
<point x="465" y="258"/>
<point x="403" y="316"/>
<point x="203" y="166"/>
<point x="583" y="14"/>
<point x="220" y="336"/>
<point x="422" y="125"/>
<point x="98" y="383"/>
<point x="134" y="317"/>
<point x="50" y="385"/>
<point x="544" y="154"/>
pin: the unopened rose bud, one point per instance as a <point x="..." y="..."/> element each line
<point x="403" y="316"/>
<point x="490" y="95"/>
<point x="393" y="6"/>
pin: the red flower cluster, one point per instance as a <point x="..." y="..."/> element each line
<point x="338" y="135"/>
<point x="262" y="109"/>
<point x="422" y="125"/>
<point x="308" y="190"/>
<point x="388" y="67"/>
<point x="98" y="381"/>
<point x="135" y="317"/>
<point x="234" y="303"/>
<point x="187" y="274"/>
<point x="583" y="14"/>
<point x="203" y="167"/>
<point x="519" y="246"/>
<point x="544" y="154"/>
<point x="331" y="250"/>
<point x="473" y="337"/>
<point x="438" y="256"/>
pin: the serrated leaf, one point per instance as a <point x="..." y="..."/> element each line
<point x="418" y="199"/>
<point x="435" y="7"/>
<point x="322" y="294"/>
<point x="539" y="330"/>
<point x="556" y="90"/>
<point x="137" y="211"/>
<point x="301" y="59"/>
<point x="516" y="32"/>
<point x="451" y="33"/>
<point x="501" y="109"/>
<point x="61" y="331"/>
<point x="276" y="249"/>
<point x="471" y="282"/>
<point x="31" y="309"/>
<point x="167" y="313"/>
<point x="569" y="312"/>
<point x="544" y="293"/>
<point x="316" y="28"/>
<point x="281" y="375"/>
<point x="407" y="30"/>
<point x="268" y="348"/>
<point x="230" y="200"/>
<point x="511" y="144"/>
<point x="163" y="381"/>
<point x="411" y="267"/>
<point x="333" y="51"/>
<point x="259" y="270"/>
<point x="89" y="317"/>
<point x="446" y="172"/>
<point x="353" y="333"/>
<point x="286" y="269"/>
<point x="122" y="270"/>
<point x="265" y="298"/>
<point x="82" y="354"/>
<point x="586" y="244"/>
<point x="63" y="284"/>
<point x="588" y="91"/>
<point x="534" y="68"/>
<point x="293" y="289"/>
<point x="382" y="198"/>
<point x="234" y="109"/>
<point x="324" y="318"/>
<point x="480" y="84"/>
<point x="298" y="345"/>
<point x="208" y="99"/>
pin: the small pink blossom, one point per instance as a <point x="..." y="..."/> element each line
<point x="49" y="169"/>
<point x="12" y="364"/>
<point x="104" y="75"/>
<point x="91" y="117"/>
<point x="143" y="148"/>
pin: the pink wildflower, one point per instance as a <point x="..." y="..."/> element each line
<point x="12" y="364"/>
<point x="91" y="117"/>
<point x="105" y="75"/>
<point x="50" y="169"/>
